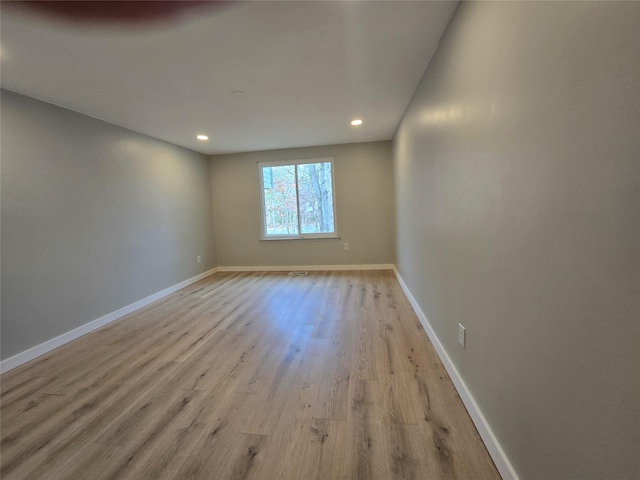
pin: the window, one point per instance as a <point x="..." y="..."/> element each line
<point x="297" y="199"/>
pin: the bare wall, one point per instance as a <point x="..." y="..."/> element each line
<point x="94" y="218"/>
<point x="517" y="186"/>
<point x="364" y="209"/>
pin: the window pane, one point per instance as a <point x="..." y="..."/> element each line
<point x="281" y="212"/>
<point x="315" y="195"/>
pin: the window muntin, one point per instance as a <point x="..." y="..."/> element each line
<point x="297" y="199"/>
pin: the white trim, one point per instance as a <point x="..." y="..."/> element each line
<point x="493" y="446"/>
<point x="299" y="237"/>
<point x="34" y="352"/>
<point x="311" y="268"/>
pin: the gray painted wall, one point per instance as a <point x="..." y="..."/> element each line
<point x="94" y="218"/>
<point x="364" y="208"/>
<point x="517" y="186"/>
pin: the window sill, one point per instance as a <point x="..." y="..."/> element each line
<point x="304" y="237"/>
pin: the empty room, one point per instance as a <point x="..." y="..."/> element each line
<point x="341" y="240"/>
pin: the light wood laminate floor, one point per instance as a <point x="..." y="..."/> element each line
<point x="246" y="375"/>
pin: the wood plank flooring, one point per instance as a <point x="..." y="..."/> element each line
<point x="246" y="375"/>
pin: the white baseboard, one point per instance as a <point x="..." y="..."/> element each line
<point x="495" y="450"/>
<point x="310" y="268"/>
<point x="34" y="352"/>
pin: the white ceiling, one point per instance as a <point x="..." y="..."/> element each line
<point x="307" y="69"/>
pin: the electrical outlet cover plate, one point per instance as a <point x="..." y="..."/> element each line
<point x="461" y="335"/>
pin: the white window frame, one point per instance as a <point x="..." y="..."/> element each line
<point x="304" y="161"/>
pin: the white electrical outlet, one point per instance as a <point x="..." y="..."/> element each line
<point x="461" y="335"/>
<point x="199" y="259"/>
<point x="346" y="246"/>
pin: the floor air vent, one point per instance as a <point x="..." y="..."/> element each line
<point x="297" y="274"/>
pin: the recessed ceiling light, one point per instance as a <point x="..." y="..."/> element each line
<point x="202" y="137"/>
<point x="356" y="122"/>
